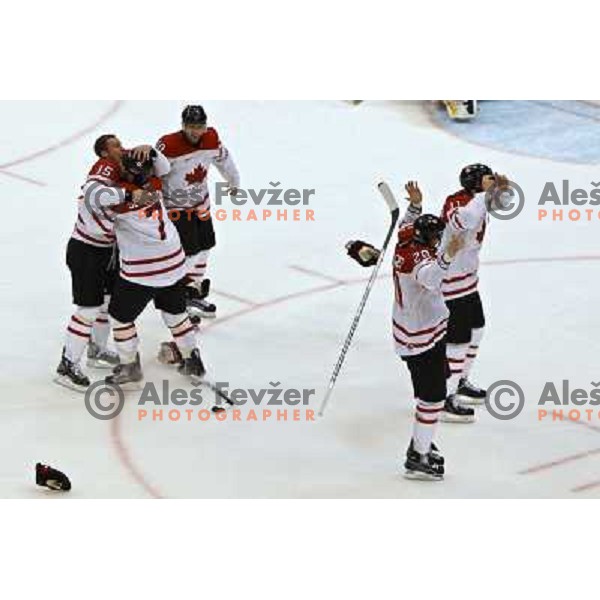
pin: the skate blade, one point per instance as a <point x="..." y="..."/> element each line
<point x="469" y="400"/>
<point x="420" y="476"/>
<point x="198" y="314"/>
<point x="67" y="383"/>
<point x="451" y="418"/>
<point x="194" y="311"/>
<point x="94" y="363"/>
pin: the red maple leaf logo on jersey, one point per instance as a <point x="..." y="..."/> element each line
<point x="198" y="175"/>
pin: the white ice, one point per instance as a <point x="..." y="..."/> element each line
<point x="542" y="317"/>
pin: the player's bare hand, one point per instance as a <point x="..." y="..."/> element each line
<point x="488" y="181"/>
<point x="502" y="182"/>
<point x="142" y="153"/>
<point x="141" y="197"/>
<point x="415" y="195"/>
<point x="454" y="246"/>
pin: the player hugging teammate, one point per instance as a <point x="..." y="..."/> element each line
<point x="162" y="255"/>
<point x="91" y="262"/>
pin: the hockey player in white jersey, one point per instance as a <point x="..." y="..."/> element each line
<point x="466" y="212"/>
<point x="191" y="151"/>
<point x="420" y="319"/>
<point x="89" y="258"/>
<point x="152" y="267"/>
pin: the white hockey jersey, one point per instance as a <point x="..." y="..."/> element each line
<point x="465" y="214"/>
<point x="420" y="315"/>
<point x="186" y="185"/>
<point x="150" y="252"/>
<point x="95" y="220"/>
<point x="102" y="191"/>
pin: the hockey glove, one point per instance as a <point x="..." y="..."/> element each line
<point x="363" y="253"/>
<point x="53" y="479"/>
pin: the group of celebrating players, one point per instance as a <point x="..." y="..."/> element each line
<point x="438" y="319"/>
<point x="143" y="232"/>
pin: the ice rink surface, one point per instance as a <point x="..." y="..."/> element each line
<point x="286" y="294"/>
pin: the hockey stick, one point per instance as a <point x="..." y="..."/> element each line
<point x="392" y="204"/>
<point x="211" y="386"/>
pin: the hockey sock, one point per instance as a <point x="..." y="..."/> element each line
<point x="126" y="340"/>
<point x="101" y="327"/>
<point x="476" y="336"/>
<point x="456" y="354"/>
<point x="182" y="330"/>
<point x="196" y="266"/>
<point x="79" y="331"/>
<point x="426" y="418"/>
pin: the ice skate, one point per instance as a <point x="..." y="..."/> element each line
<point x="69" y="375"/>
<point x="193" y="366"/>
<point x="434" y="453"/>
<point x="454" y="412"/>
<point x="197" y="305"/>
<point x="101" y="359"/>
<point x="469" y="393"/>
<point x="423" y="467"/>
<point x="127" y="375"/>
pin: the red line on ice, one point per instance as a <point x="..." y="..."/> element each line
<point x="128" y="463"/>
<point x="235" y="298"/>
<point x="68" y="140"/>
<point x="559" y="461"/>
<point x="316" y="274"/>
<point x="22" y="178"/>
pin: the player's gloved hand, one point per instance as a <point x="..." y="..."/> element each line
<point x="53" y="479"/>
<point x="363" y="253"/>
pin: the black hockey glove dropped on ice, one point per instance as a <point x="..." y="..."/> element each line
<point x="363" y="253"/>
<point x="53" y="479"/>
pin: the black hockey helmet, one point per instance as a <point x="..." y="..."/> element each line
<point x="471" y="177"/>
<point x="140" y="170"/>
<point x="428" y="229"/>
<point x="193" y="114"/>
